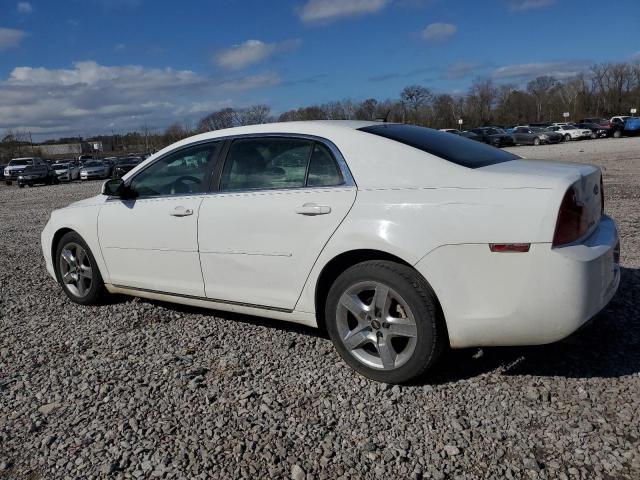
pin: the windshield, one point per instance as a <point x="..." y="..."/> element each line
<point x="21" y="162"/>
<point x="453" y="148"/>
<point x="60" y="165"/>
<point x="569" y="127"/>
<point x="538" y="130"/>
<point x="93" y="164"/>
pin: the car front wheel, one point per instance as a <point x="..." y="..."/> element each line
<point x="536" y="141"/>
<point x="567" y="138"/>
<point x="77" y="271"/>
<point x="384" y="321"/>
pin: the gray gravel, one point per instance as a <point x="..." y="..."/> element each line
<point x="136" y="389"/>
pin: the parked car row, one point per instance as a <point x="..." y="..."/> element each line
<point x="546" y="133"/>
<point x="34" y="170"/>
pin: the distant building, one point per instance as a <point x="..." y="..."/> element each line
<point x="71" y="149"/>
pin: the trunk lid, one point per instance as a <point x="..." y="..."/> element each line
<point x="559" y="176"/>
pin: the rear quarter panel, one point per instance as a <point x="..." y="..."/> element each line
<point x="410" y="223"/>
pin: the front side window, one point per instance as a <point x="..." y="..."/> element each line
<point x="182" y="173"/>
<point x="278" y="163"/>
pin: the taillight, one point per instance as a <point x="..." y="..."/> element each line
<point x="601" y="195"/>
<point x="572" y="221"/>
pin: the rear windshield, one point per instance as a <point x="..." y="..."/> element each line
<point x="454" y="148"/>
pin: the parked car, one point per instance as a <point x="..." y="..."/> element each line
<point x="40" y="173"/>
<point x="597" y="131"/>
<point x="470" y="135"/>
<point x="570" y="132"/>
<point x="494" y="136"/>
<point x="94" y="169"/>
<point x="400" y="240"/>
<point x="535" y="136"/>
<point x="66" y="170"/>
<point x="15" y="167"/>
<point x="627" y="127"/>
<point x="632" y="126"/>
<point x="124" y="165"/>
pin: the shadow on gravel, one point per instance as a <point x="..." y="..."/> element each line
<point x="243" y="318"/>
<point x="608" y="347"/>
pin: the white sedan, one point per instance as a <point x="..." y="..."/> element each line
<point x="571" y="132"/>
<point x="399" y="240"/>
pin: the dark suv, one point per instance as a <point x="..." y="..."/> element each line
<point x="39" y="173"/>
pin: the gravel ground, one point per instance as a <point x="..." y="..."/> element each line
<point x="137" y="389"/>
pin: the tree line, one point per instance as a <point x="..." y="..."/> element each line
<point x="603" y="90"/>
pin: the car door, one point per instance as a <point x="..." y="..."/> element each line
<point x="277" y="203"/>
<point x="151" y="241"/>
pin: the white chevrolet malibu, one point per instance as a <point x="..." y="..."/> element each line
<point x="399" y="240"/>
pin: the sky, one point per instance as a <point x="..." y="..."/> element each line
<point x="84" y="67"/>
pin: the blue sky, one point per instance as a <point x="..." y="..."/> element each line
<point x="88" y="66"/>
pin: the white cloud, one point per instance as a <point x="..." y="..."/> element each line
<point x="528" y="71"/>
<point x="522" y="5"/>
<point x="250" y="52"/>
<point x="24" y="7"/>
<point x="439" y="32"/>
<point x="10" y="38"/>
<point x="88" y="97"/>
<point x="463" y="69"/>
<point x="324" y="11"/>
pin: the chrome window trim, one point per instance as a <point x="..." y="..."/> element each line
<point x="348" y="180"/>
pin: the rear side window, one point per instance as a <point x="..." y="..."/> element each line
<point x="278" y="163"/>
<point x="453" y="148"/>
<point x="323" y="170"/>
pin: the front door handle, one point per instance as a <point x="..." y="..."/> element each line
<point x="313" y="209"/>
<point x="180" y="211"/>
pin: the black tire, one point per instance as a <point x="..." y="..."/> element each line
<point x="21" y="185"/>
<point x="536" y="141"/>
<point x="96" y="291"/>
<point x="8" y="182"/>
<point x="430" y="332"/>
<point x="567" y="138"/>
<point x="617" y="134"/>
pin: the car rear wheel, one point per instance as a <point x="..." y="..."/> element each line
<point x="77" y="271"/>
<point x="21" y="185"/>
<point x="384" y="321"/>
<point x="567" y="138"/>
<point x="617" y="134"/>
<point x="536" y="141"/>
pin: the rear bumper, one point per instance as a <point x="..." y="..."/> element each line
<point x="492" y="299"/>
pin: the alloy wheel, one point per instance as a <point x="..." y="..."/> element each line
<point x="75" y="269"/>
<point x="376" y="325"/>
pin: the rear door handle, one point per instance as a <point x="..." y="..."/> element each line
<point x="313" y="209"/>
<point x="180" y="211"/>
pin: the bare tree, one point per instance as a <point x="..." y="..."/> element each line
<point x="415" y="97"/>
<point x="225" y="118"/>
<point x="255" y="114"/>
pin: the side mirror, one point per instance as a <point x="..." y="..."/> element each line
<point x="113" y="187"/>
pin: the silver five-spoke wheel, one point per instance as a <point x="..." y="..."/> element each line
<point x="75" y="269"/>
<point x="376" y="325"/>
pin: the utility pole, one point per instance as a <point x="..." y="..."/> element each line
<point x="31" y="142"/>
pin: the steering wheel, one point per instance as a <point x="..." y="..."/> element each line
<point x="185" y="184"/>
